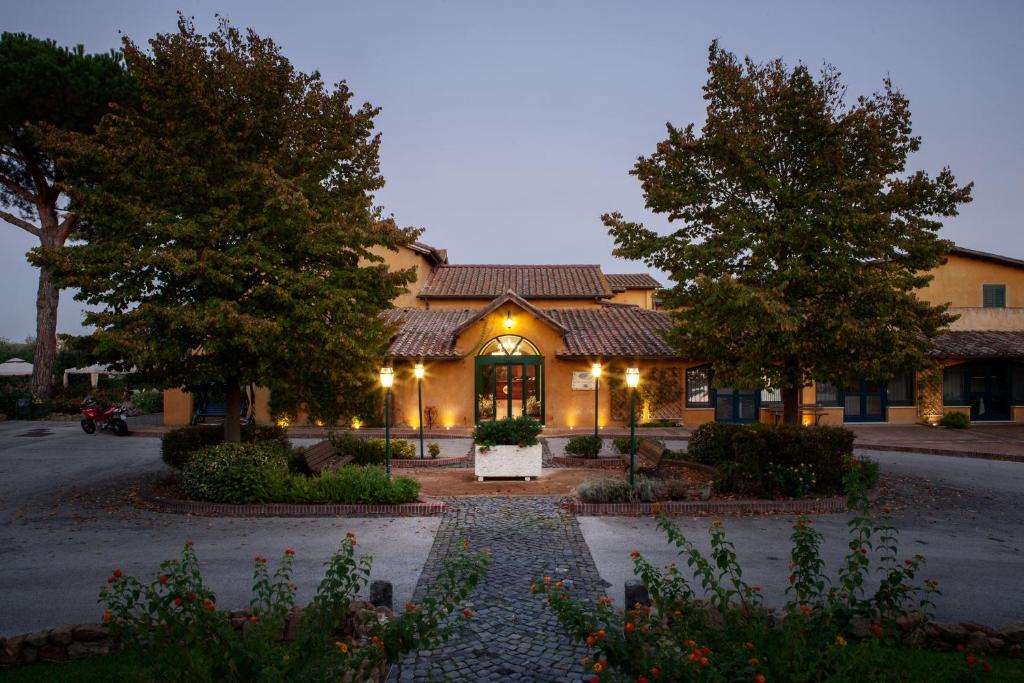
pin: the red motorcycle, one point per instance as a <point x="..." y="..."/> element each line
<point x="111" y="417"/>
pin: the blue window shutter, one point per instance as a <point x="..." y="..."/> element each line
<point x="993" y="296"/>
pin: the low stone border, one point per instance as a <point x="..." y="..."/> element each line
<point x="949" y="452"/>
<point x="712" y="507"/>
<point x="422" y="508"/>
<point x="428" y="462"/>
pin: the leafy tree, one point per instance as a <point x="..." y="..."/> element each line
<point x="237" y="212"/>
<point x="44" y="85"/>
<point x="802" y="235"/>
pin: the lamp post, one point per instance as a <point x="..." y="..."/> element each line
<point x="595" y="370"/>
<point x="387" y="378"/>
<point x="418" y="371"/>
<point x="632" y="380"/>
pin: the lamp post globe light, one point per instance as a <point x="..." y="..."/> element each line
<point x="419" y="372"/>
<point x="387" y="378"/>
<point x="595" y="371"/>
<point x="632" y="381"/>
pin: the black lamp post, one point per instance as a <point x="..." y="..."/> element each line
<point x="632" y="380"/>
<point x="418" y="371"/>
<point x="387" y="378"/>
<point x="595" y="371"/>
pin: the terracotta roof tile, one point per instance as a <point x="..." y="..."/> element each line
<point x="977" y="344"/>
<point x="425" y="333"/>
<point x="530" y="282"/>
<point x="632" y="281"/>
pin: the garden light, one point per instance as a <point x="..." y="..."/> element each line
<point x="632" y="377"/>
<point x="387" y="377"/>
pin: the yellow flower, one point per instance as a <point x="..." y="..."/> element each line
<point x="840" y="641"/>
<point x="341" y="646"/>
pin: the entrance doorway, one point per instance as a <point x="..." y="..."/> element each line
<point x="865" y="402"/>
<point x="509" y="380"/>
<point x="736" y="405"/>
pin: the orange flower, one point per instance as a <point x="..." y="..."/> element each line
<point x="177" y="602"/>
<point x="585" y="661"/>
<point x="655" y="508"/>
<point x="208" y="604"/>
<point x="806" y="609"/>
<point x="107" y="615"/>
<point x="704" y="661"/>
<point x="290" y="552"/>
<point x="754" y="661"/>
<point x="558" y="584"/>
<point x="547" y="579"/>
<point x="261" y="560"/>
<point x="117" y="574"/>
<point x="468" y="613"/>
<point x="642" y="679"/>
<point x="876" y="629"/>
<point x="759" y="678"/>
<point x="591" y="640"/>
<point x="986" y="667"/>
<point x="351" y="537"/>
<point x="655" y="672"/>
<point x="635" y="554"/>
<point x="164" y="578"/>
<point x="410" y="607"/>
<point x="341" y="646"/>
<point x="253" y="619"/>
<point x="971" y="660"/>
<point x="840" y="641"/>
<point x="600" y="633"/>
<point x="630" y="627"/>
<point x="597" y="667"/>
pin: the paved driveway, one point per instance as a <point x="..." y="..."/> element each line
<point x="65" y="524"/>
<point x="964" y="515"/>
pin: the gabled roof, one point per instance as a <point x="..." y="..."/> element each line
<point x="531" y="282"/>
<point x="614" y="331"/>
<point x="986" y="256"/>
<point x="623" y="281"/>
<point x="977" y="344"/>
<point x="509" y="297"/>
<point x="424" y="333"/>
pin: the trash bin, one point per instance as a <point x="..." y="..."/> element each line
<point x="23" y="408"/>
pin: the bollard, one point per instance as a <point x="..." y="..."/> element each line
<point x="381" y="594"/>
<point x="636" y="592"/>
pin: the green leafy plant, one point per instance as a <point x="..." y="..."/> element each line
<point x="621" y="444"/>
<point x="711" y="443"/>
<point x="956" y="420"/>
<point x="709" y="624"/>
<point x="588" y="446"/>
<point x="519" y="431"/>
<point x="434" y="448"/>
<point x="178" y="445"/>
<point x="645" y="489"/>
<point x="367" y="484"/>
<point x="236" y="472"/>
<point x="174" y="624"/>
<point x="148" y="401"/>
<point x="371" y="451"/>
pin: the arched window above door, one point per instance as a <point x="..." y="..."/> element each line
<point x="509" y="345"/>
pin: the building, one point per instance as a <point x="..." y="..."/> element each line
<point x="505" y="340"/>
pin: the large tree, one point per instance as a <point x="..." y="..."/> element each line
<point x="235" y="199"/>
<point x="801" y="235"/>
<point x="43" y="85"/>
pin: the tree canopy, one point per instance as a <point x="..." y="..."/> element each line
<point x="231" y="216"/>
<point x="799" y="236"/>
<point x="45" y="86"/>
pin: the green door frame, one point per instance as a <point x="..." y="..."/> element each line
<point x="508" y="361"/>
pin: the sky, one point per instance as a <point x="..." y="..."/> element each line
<point x="509" y="128"/>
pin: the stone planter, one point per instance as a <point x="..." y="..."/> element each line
<point x="508" y="461"/>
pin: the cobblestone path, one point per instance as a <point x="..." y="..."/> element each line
<point x="513" y="636"/>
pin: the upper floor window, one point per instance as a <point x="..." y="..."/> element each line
<point x="993" y="296"/>
<point x="509" y="345"/>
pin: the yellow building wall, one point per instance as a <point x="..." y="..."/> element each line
<point x="177" y="408"/>
<point x="958" y="282"/>
<point x="644" y="298"/>
<point x="402" y="259"/>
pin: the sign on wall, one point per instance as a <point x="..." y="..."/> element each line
<point x="582" y="381"/>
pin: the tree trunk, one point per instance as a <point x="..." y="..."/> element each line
<point x="791" y="392"/>
<point x="232" y="419"/>
<point x="47" y="299"/>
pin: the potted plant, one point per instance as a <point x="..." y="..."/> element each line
<point x="508" y="448"/>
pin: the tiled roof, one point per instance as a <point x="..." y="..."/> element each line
<point x="632" y="281"/>
<point x="968" y="344"/>
<point x="530" y="282"/>
<point x="425" y="333"/>
<point x="438" y="256"/>
<point x="614" y="331"/>
<point x="987" y="256"/>
<point x="510" y="296"/>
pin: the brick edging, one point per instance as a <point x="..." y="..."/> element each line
<point x="428" y="462"/>
<point x="950" y="452"/>
<point x="712" y="507"/>
<point x="203" y="508"/>
<point x="593" y="463"/>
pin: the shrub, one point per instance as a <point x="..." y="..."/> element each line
<point x="645" y="489"/>
<point x="175" y="627"/>
<point x="371" y="451"/>
<point x="354" y="484"/>
<point x="237" y="472"/>
<point x="956" y="420"/>
<point x="434" y="448"/>
<point x="711" y="443"/>
<point x="149" y="402"/>
<point x="178" y="444"/>
<point x="585" y="446"/>
<point x="517" y="431"/>
<point x="706" y="623"/>
<point x="621" y="444"/>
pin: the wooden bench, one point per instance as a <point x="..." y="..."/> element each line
<point x="649" y="455"/>
<point x="323" y="456"/>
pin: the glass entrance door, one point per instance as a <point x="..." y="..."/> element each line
<point x="865" y="402"/>
<point x="988" y="391"/>
<point x="509" y="387"/>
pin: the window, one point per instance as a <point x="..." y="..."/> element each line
<point x="993" y="296"/>
<point x="771" y="395"/>
<point x="509" y="345"/>
<point x="827" y="393"/>
<point x="954" y="385"/>
<point x="698" y="387"/>
<point x="901" y="390"/>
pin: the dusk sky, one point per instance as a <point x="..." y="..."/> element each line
<point x="508" y="128"/>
